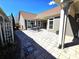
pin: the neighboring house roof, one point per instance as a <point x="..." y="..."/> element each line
<point x="52" y="12"/>
<point x="28" y="16"/>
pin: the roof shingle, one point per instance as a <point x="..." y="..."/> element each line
<point x="28" y="16"/>
<point x="51" y="12"/>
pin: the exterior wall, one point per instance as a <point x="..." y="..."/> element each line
<point x="22" y="23"/>
<point x="56" y="24"/>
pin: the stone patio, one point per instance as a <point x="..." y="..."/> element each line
<point x="49" y="41"/>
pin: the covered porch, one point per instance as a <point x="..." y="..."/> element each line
<point x="35" y="24"/>
<point x="50" y="23"/>
<point x="69" y="15"/>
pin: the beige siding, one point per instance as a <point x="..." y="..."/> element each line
<point x="69" y="34"/>
<point x="68" y="29"/>
<point x="72" y="10"/>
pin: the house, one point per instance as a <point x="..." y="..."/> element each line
<point x="45" y="20"/>
<point x="49" y="20"/>
<point x="6" y="29"/>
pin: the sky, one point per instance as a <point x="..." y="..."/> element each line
<point x="33" y="6"/>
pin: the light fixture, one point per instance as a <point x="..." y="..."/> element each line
<point x="63" y="3"/>
<point x="57" y="1"/>
<point x="52" y="2"/>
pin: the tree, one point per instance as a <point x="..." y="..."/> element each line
<point x="13" y="21"/>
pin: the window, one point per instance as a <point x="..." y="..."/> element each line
<point x="32" y="23"/>
<point x="51" y="24"/>
<point x="38" y="23"/>
<point x="29" y="24"/>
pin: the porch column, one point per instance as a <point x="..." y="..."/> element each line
<point x="40" y="24"/>
<point x="48" y="24"/>
<point x="61" y="28"/>
<point x="27" y="24"/>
